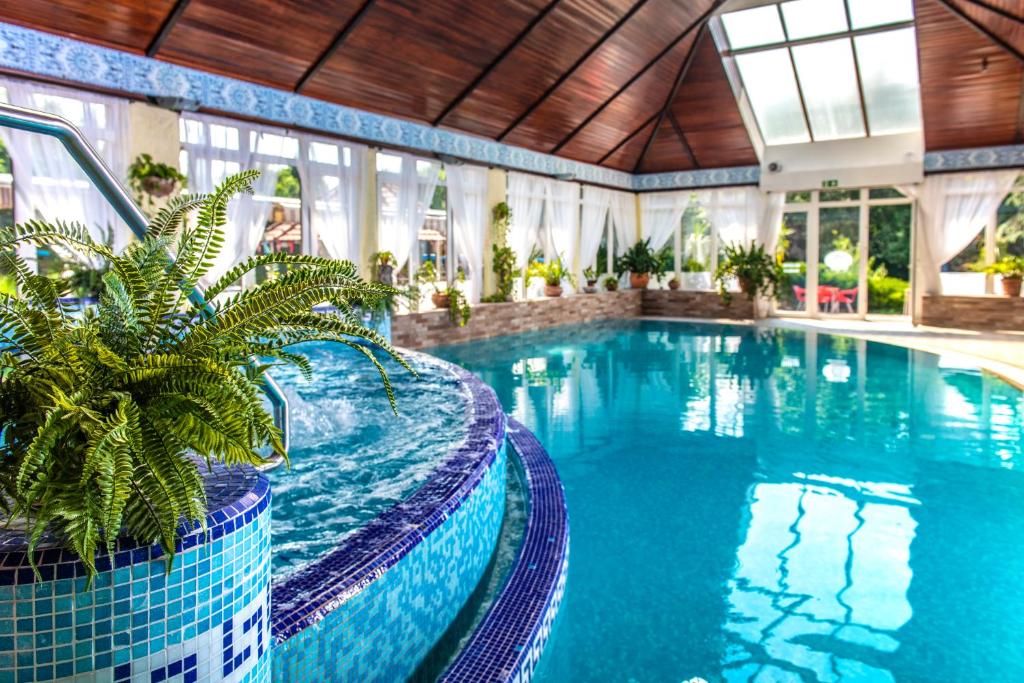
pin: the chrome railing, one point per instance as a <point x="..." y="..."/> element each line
<point x="107" y="183"/>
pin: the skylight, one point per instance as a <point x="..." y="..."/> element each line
<point x="827" y="69"/>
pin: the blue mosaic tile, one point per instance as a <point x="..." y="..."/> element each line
<point x="371" y="609"/>
<point x="509" y="641"/>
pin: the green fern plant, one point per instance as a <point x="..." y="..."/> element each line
<point x="108" y="416"/>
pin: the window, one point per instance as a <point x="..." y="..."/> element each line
<point x="822" y="70"/>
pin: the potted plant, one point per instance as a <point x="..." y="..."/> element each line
<point x="591" y="277"/>
<point x="1011" y="270"/>
<point x="640" y="262"/>
<point x="383" y="270"/>
<point x="553" y="273"/>
<point x="151" y="180"/>
<point x="756" y="271"/>
<point x="107" y="416"/>
<point x="674" y="283"/>
<point x="611" y="283"/>
<point x="450" y="297"/>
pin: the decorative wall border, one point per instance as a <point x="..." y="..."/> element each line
<point x="510" y="640"/>
<point x="43" y="54"/>
<point x="308" y="596"/>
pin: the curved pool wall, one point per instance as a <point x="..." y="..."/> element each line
<point x="372" y="609"/>
<point x="206" y="620"/>
<point x="508" y="643"/>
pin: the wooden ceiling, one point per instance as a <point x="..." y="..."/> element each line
<point x="635" y="85"/>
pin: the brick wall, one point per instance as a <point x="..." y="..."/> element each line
<point x="433" y="328"/>
<point x="973" y="312"/>
<point x="688" y="304"/>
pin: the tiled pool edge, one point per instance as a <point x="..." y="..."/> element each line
<point x="453" y="518"/>
<point x="508" y="643"/>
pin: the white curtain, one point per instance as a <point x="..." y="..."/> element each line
<point x="400" y="231"/>
<point x="48" y="183"/>
<point x="333" y="182"/>
<point x="733" y="212"/>
<point x="596" y="205"/>
<point x="770" y="225"/>
<point x="661" y="214"/>
<point x="954" y="208"/>
<point x="217" y="148"/>
<point x="623" y="210"/>
<point x="562" y="217"/>
<point x="467" y="197"/>
<point x="526" y="201"/>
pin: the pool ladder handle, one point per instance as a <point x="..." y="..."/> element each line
<point x="106" y="182"/>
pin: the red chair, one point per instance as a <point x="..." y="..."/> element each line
<point x="827" y="296"/>
<point x="801" y="295"/>
<point x="848" y="298"/>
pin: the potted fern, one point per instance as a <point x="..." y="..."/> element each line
<point x="591" y="277"/>
<point x="756" y="271"/>
<point x="640" y="261"/>
<point x="151" y="180"/>
<point x="611" y="283"/>
<point x="107" y="416"/>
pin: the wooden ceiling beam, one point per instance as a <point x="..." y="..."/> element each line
<point x="657" y="58"/>
<point x="166" y="27"/>
<point x="984" y="4"/>
<point x="572" y="69"/>
<point x="983" y="30"/>
<point x="626" y="139"/>
<point x="683" y="69"/>
<point x="339" y="39"/>
<point x="682" y="138"/>
<point x="468" y="90"/>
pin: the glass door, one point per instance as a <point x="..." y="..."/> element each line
<point x="840" y="277"/>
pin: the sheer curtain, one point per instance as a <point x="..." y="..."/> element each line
<point x="733" y="212"/>
<point x="526" y="201"/>
<point x="467" y="196"/>
<point x="333" y="183"/>
<point x="661" y="214"/>
<point x="770" y="225"/>
<point x="596" y="205"/>
<point x="954" y="208"/>
<point x="217" y="148"/>
<point x="562" y="217"/>
<point x="623" y="211"/>
<point x="49" y="184"/>
<point x="400" y="232"/>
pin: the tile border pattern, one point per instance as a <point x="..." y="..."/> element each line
<point x="306" y="597"/>
<point x="38" y="53"/>
<point x="510" y="640"/>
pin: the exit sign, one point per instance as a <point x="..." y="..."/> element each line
<point x="830" y="183"/>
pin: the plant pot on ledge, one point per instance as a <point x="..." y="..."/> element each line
<point x="639" y="280"/>
<point x="440" y="300"/>
<point x="673" y="284"/>
<point x="1011" y="286"/>
<point x="591" y="287"/>
<point x="553" y="290"/>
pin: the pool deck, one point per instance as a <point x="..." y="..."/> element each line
<point x="1001" y="353"/>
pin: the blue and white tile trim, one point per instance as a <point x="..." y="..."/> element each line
<point x="206" y="620"/>
<point x="372" y="609"/>
<point x="1009" y="156"/>
<point x="509" y="641"/>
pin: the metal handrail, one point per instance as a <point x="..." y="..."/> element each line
<point x="106" y="182"/>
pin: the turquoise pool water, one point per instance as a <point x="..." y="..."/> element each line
<point x="773" y="506"/>
<point x="351" y="457"/>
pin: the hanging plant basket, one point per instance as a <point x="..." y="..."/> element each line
<point x="159" y="187"/>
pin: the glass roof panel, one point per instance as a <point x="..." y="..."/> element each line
<point x="866" y="13"/>
<point x="811" y="18"/>
<point x="888" y="72"/>
<point x="752" y="27"/>
<point x="829" y="83"/>
<point x="771" y="86"/>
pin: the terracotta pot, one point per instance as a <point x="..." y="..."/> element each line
<point x="552" y="290"/>
<point x="440" y="300"/>
<point x="1011" y="286"/>
<point x="159" y="187"/>
<point x="746" y="285"/>
<point x="639" y="280"/>
<point x="673" y="284"/>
